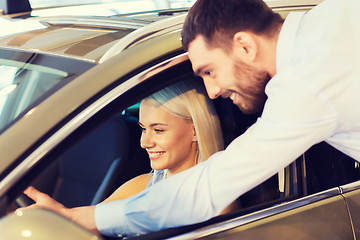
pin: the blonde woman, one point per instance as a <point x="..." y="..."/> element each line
<point x="180" y="128"/>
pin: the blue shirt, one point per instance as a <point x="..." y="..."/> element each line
<point x="312" y="98"/>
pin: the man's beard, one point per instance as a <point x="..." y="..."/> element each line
<point x="251" y="83"/>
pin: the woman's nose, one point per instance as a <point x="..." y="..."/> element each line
<point x="146" y="140"/>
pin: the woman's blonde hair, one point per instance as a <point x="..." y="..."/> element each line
<point x="188" y="100"/>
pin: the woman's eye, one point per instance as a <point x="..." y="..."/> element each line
<point x="142" y="129"/>
<point x="159" y="130"/>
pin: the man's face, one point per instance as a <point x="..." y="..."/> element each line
<point x="225" y="75"/>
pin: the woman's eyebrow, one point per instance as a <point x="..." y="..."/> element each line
<point x="153" y="124"/>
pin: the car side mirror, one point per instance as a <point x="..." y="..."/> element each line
<point x="37" y="223"/>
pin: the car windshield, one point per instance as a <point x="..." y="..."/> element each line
<point x="26" y="79"/>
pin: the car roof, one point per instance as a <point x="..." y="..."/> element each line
<point x="68" y="32"/>
<point x="93" y="32"/>
<point x="89" y="38"/>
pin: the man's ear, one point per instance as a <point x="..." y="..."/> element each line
<point x="245" y="46"/>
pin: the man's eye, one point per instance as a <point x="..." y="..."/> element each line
<point x="142" y="129"/>
<point x="207" y="73"/>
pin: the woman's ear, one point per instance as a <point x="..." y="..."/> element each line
<point x="245" y="46"/>
<point x="194" y="133"/>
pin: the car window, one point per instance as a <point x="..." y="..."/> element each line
<point x="26" y="78"/>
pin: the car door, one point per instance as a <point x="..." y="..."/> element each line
<point x="320" y="216"/>
<point x="319" y="208"/>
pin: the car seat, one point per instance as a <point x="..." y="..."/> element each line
<point x="96" y="165"/>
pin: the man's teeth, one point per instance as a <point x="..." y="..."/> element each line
<point x="232" y="96"/>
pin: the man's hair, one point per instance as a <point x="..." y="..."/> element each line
<point x="218" y="21"/>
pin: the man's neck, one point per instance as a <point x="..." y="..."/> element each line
<point x="268" y="53"/>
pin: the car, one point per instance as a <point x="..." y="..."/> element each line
<point x="69" y="98"/>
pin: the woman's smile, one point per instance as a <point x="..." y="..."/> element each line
<point x="155" y="155"/>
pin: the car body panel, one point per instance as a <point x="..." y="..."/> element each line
<point x="301" y="218"/>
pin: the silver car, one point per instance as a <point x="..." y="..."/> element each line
<point x="69" y="92"/>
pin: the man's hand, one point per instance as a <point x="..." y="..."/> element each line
<point x="43" y="200"/>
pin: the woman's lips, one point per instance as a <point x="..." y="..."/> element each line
<point x="155" y="155"/>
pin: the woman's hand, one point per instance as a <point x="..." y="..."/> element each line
<point x="85" y="216"/>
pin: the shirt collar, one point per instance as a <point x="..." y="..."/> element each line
<point x="287" y="39"/>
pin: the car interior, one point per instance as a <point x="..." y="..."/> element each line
<point x="90" y="170"/>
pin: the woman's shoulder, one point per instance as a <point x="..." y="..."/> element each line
<point x="137" y="182"/>
<point x="131" y="187"/>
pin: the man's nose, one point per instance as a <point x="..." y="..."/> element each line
<point x="213" y="90"/>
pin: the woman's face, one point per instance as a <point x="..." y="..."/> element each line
<point x="169" y="140"/>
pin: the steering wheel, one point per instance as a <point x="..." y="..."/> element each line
<point x="23" y="201"/>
